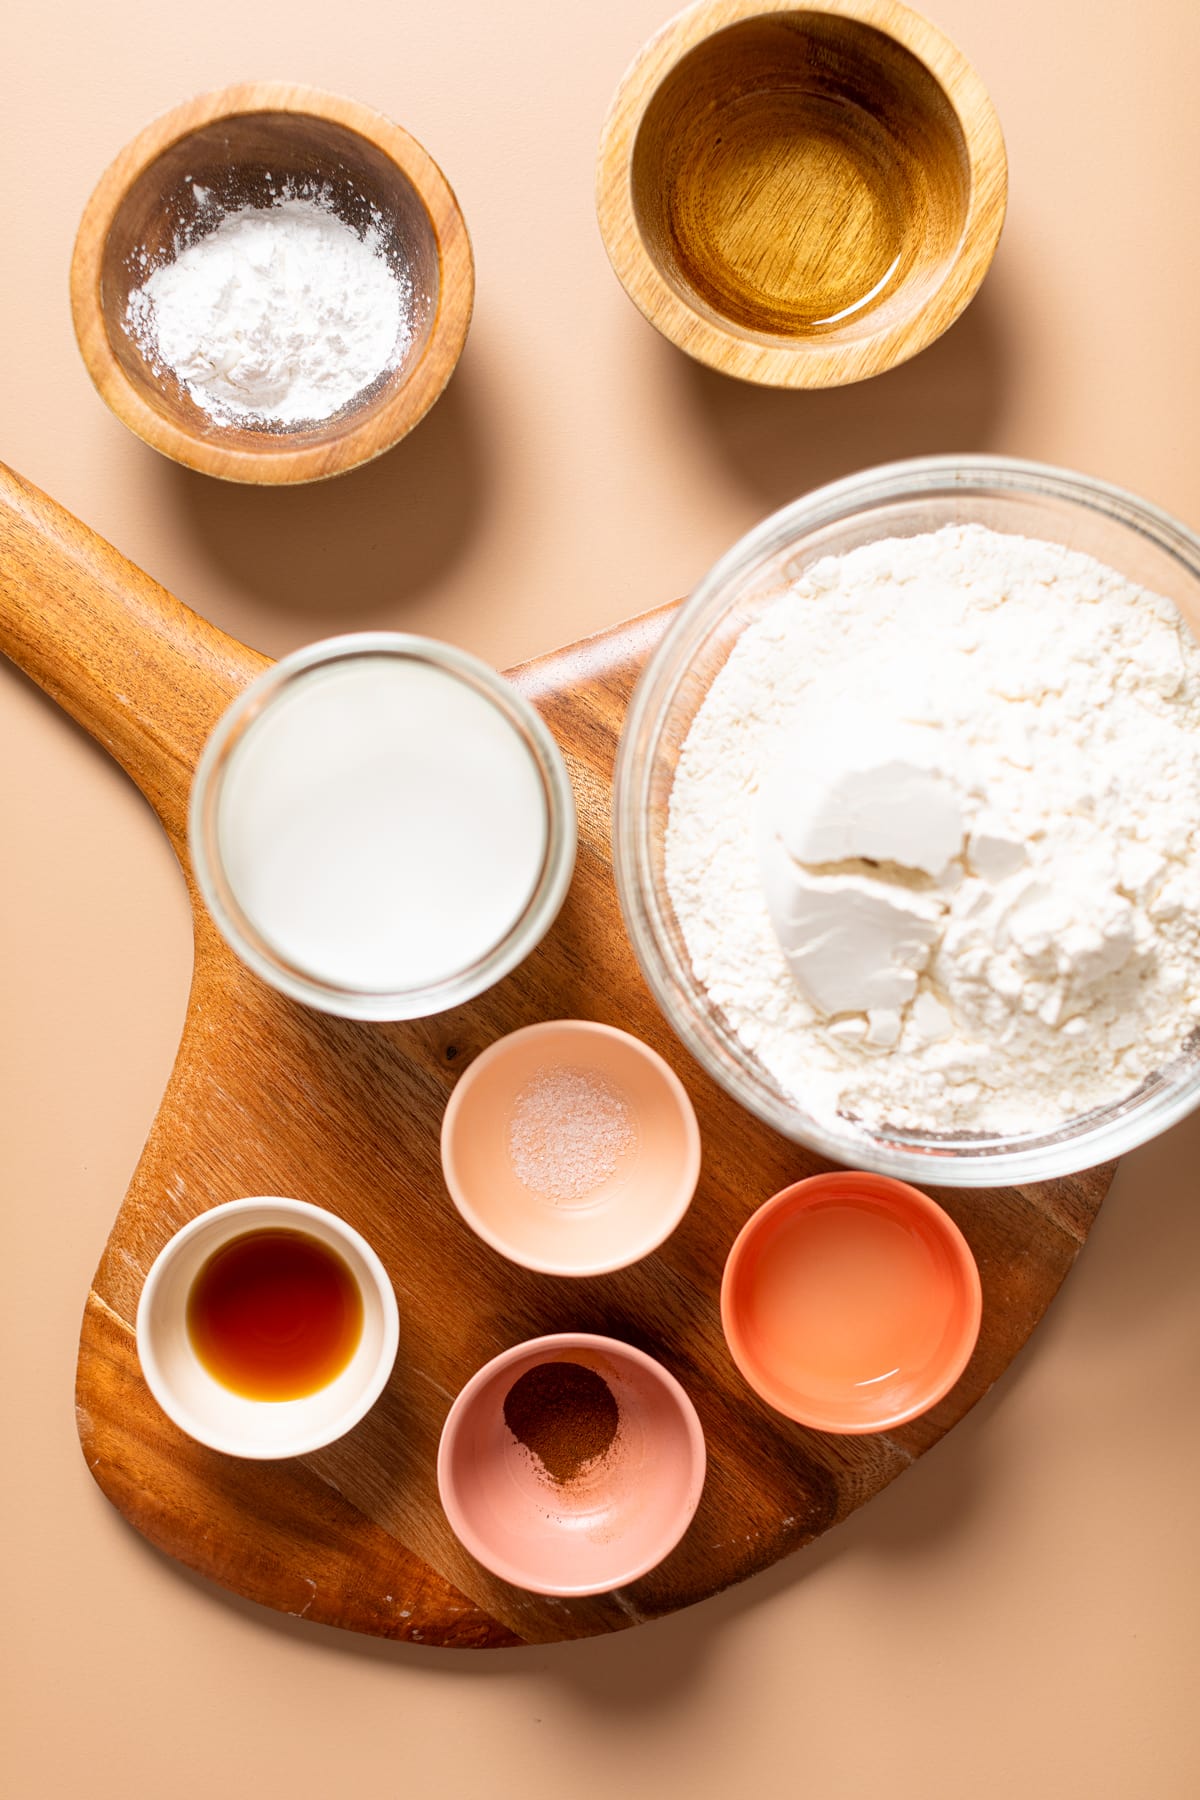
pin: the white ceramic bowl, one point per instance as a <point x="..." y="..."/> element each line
<point x="212" y="1413"/>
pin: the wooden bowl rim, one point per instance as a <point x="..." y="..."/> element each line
<point x="803" y="363"/>
<point x="356" y="443"/>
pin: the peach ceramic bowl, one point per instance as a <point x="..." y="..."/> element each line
<point x="616" y="1519"/>
<point x="851" y="1302"/>
<point x="631" y="1211"/>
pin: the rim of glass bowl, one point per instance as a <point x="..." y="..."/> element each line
<point x="1080" y="1143"/>
<point x="249" y="943"/>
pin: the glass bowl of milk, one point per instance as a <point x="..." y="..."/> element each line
<point x="381" y="826"/>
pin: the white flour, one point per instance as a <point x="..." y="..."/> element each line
<point x="1056" y="959"/>
<point x="280" y="315"/>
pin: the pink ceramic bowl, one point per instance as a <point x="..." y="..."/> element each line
<point x="851" y="1302"/>
<point x="612" y="1521"/>
<point x="576" y="1093"/>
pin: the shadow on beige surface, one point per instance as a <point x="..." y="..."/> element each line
<point x="781" y="443"/>
<point x="335" y="552"/>
<point x="1145" y="1245"/>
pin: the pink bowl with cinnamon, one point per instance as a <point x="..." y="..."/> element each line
<point x="571" y="1464"/>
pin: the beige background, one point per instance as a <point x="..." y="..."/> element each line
<point x="1018" y="1614"/>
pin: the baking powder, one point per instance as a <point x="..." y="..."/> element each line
<point x="279" y="315"/>
<point x="1015" y="704"/>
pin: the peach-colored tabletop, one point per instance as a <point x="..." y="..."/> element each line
<point x="1017" y="1615"/>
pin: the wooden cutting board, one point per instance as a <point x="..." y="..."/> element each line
<point x="269" y="1098"/>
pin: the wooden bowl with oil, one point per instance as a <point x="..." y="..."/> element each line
<point x="801" y="196"/>
<point x="239" y="147"/>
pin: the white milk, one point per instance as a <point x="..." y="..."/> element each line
<point x="382" y="824"/>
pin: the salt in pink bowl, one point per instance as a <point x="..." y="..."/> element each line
<point x="617" y="1518"/>
<point x="632" y="1209"/>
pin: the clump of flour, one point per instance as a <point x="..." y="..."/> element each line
<point x="279" y="315"/>
<point x="1055" y="960"/>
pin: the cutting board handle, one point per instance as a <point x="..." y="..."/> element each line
<point x="137" y="669"/>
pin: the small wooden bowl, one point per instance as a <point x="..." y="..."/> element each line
<point x="801" y="195"/>
<point x="232" y="144"/>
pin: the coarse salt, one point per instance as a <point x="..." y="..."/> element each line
<point x="569" y="1130"/>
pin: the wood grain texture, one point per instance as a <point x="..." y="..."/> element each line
<point x="801" y="196"/>
<point x="268" y="1097"/>
<point x="240" y="145"/>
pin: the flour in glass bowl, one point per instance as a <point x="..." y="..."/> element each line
<point x="934" y="835"/>
<point x="277" y="315"/>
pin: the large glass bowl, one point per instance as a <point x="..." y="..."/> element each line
<point x="899" y="500"/>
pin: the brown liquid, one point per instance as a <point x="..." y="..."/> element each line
<point x="793" y="173"/>
<point x="274" y="1315"/>
<point x="793" y="217"/>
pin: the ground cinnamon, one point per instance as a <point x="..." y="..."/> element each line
<point x="565" y="1414"/>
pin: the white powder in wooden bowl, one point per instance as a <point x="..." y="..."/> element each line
<point x="569" y="1129"/>
<point x="280" y="315"/>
